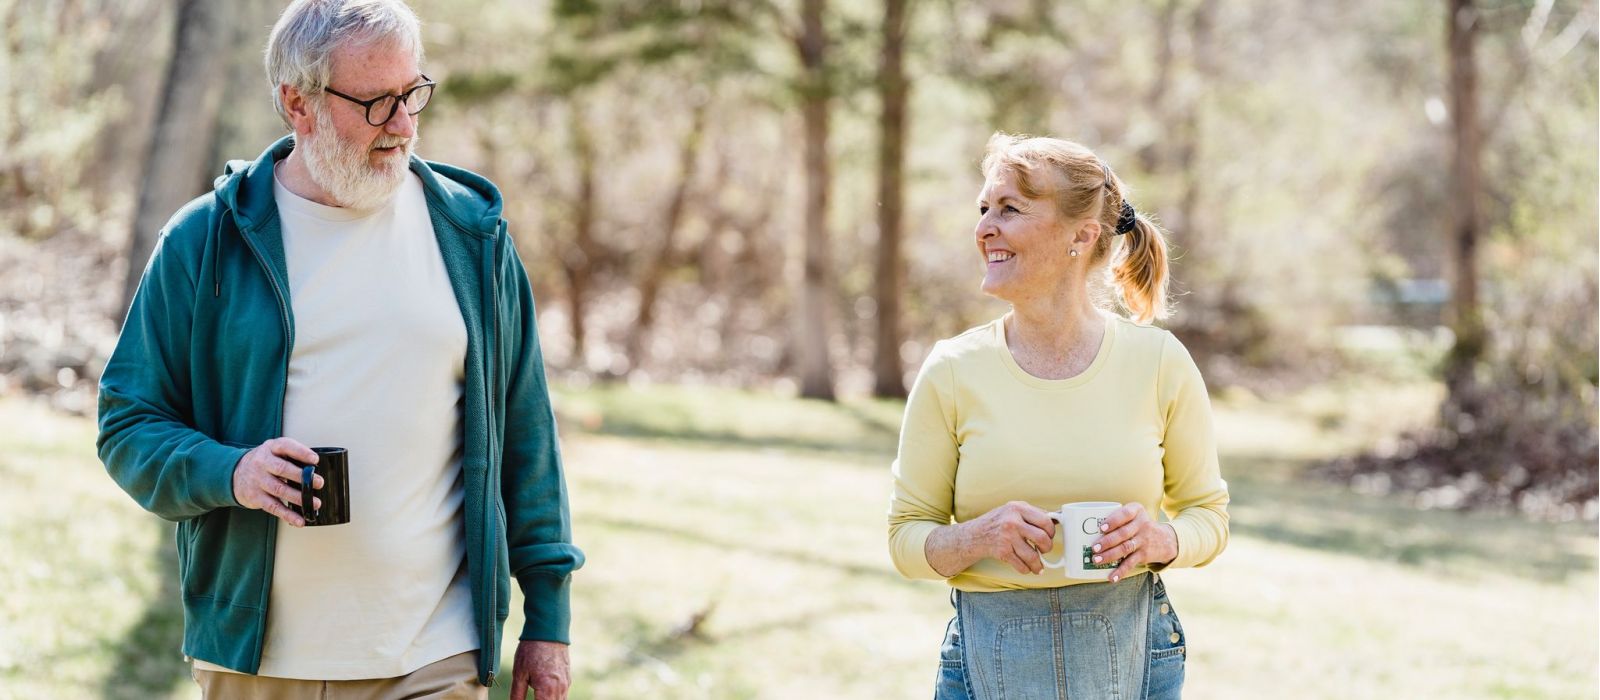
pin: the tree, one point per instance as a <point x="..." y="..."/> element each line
<point x="578" y="261"/>
<point x="816" y="369"/>
<point x="666" y="255"/>
<point x="700" y="47"/>
<point x="176" y="168"/>
<point x="1466" y="194"/>
<point x="889" y="379"/>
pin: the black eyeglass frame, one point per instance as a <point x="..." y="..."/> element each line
<point x="402" y="98"/>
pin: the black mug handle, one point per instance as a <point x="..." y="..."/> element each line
<point x="308" y="475"/>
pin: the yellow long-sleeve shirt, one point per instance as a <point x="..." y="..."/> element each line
<point x="979" y="431"/>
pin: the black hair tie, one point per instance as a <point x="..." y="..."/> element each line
<point x="1128" y="219"/>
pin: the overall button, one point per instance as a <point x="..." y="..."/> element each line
<point x="1165" y="608"/>
<point x="1174" y="637"/>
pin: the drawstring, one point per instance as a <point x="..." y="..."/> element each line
<point x="216" y="262"/>
<point x="216" y="251"/>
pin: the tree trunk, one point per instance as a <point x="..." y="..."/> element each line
<point x="666" y="256"/>
<point x="1188" y="156"/>
<point x="243" y="133"/>
<point x="124" y="139"/>
<point x="1153" y="155"/>
<point x="578" y="260"/>
<point x="1466" y="194"/>
<point x="175" y="169"/>
<point x="889" y="380"/>
<point x="816" y="370"/>
<point x="1177" y="99"/>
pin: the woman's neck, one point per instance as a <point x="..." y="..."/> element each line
<point x="1054" y="338"/>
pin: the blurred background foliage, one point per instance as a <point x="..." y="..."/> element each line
<point x="699" y="189"/>
<point x="1387" y="237"/>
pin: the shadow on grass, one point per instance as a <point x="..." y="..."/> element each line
<point x="733" y="440"/>
<point x="875" y="425"/>
<point x="1274" y="500"/>
<point x="149" y="659"/>
<point x="882" y="574"/>
<point x="665" y="647"/>
<point x="733" y="419"/>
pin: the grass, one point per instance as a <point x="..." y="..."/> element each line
<point x="88" y="593"/>
<point x="736" y="550"/>
<point x="732" y="419"/>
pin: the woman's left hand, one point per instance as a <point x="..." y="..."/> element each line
<point x="1134" y="537"/>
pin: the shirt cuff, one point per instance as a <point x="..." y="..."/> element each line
<point x="1190" y="548"/>
<point x="911" y="554"/>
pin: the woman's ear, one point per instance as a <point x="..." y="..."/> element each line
<point x="1087" y="233"/>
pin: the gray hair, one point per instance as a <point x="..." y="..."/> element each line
<point x="300" y="49"/>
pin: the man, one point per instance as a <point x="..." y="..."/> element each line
<point x="340" y="292"/>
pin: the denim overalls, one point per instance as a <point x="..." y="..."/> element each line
<point x="1090" y="641"/>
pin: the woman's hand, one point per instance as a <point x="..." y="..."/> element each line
<point x="1134" y="537"/>
<point x="1014" y="533"/>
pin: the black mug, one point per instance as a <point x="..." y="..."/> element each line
<point x="333" y="466"/>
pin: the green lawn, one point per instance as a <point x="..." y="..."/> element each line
<point x="736" y="549"/>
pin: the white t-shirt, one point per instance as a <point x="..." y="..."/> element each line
<point x="377" y="368"/>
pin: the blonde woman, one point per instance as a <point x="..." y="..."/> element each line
<point x="1060" y="400"/>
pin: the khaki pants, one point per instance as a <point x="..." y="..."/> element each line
<point x="452" y="678"/>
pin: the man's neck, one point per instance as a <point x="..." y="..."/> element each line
<point x="294" y="176"/>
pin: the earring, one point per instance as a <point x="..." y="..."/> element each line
<point x="1074" y="252"/>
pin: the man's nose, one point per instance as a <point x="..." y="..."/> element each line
<point x="402" y="124"/>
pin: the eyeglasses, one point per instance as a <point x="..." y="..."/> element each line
<point x="385" y="106"/>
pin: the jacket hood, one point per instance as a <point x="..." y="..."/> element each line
<point x="468" y="199"/>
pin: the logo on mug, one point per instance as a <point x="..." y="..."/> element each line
<point x="1091" y="526"/>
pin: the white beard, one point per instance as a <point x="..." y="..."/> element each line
<point x="344" y="171"/>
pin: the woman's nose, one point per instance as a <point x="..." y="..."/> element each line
<point x="986" y="229"/>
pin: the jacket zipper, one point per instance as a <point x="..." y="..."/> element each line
<point x="283" y="391"/>
<point x="492" y="495"/>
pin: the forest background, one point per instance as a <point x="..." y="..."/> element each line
<point x="1384" y="216"/>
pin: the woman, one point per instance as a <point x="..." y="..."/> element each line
<point x="1059" y="401"/>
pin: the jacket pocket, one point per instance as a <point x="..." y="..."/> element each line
<point x="502" y="574"/>
<point x="188" y="544"/>
<point x="187" y="530"/>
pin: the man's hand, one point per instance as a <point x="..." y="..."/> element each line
<point x="541" y="667"/>
<point x="258" y="480"/>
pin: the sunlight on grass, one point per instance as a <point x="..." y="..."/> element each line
<point x="87" y="595"/>
<point x="730" y="417"/>
<point x="736" y="549"/>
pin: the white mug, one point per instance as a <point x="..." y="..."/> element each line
<point x="1080" y="529"/>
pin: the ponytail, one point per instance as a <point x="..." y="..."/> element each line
<point x="1082" y="185"/>
<point x="1140" y="275"/>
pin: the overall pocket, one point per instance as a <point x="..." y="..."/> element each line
<point x="1168" y="647"/>
<point x="1037" y="658"/>
<point x="952" y="681"/>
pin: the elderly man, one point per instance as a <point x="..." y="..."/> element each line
<point x="340" y="292"/>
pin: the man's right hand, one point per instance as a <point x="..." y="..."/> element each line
<point x="262" y="479"/>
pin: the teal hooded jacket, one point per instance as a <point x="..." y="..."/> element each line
<point x="198" y="378"/>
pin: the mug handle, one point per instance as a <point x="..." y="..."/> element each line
<point x="308" y="475"/>
<point x="1062" y="562"/>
